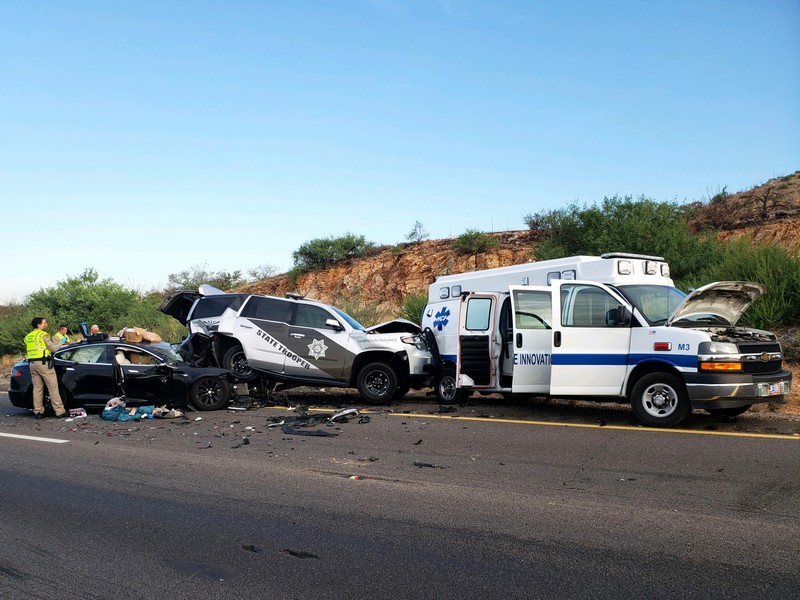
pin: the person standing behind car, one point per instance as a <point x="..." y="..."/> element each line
<point x="39" y="348"/>
<point x="62" y="336"/>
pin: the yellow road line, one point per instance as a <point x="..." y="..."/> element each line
<point x="772" y="436"/>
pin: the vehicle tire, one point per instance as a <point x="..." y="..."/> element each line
<point x="445" y="388"/>
<point x="235" y="360"/>
<point x="660" y="400"/>
<point x="377" y="383"/>
<point x="402" y="390"/>
<point x="210" y="393"/>
<point x="728" y="412"/>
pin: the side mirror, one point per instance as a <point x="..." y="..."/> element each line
<point x="333" y="324"/>
<point x="619" y="317"/>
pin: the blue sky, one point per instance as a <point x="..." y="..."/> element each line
<point x="145" y="138"/>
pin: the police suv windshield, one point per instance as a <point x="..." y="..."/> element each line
<point x="350" y="320"/>
<point x="655" y="302"/>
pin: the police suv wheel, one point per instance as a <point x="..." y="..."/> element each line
<point x="660" y="400"/>
<point x="377" y="383"/>
<point x="210" y="393"/>
<point x="445" y="388"/>
<point x="235" y="360"/>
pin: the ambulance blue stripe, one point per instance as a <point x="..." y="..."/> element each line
<point x="677" y="360"/>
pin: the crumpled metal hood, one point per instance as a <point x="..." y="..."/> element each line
<point x="395" y="326"/>
<point x="726" y="299"/>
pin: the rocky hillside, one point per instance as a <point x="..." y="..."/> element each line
<point x="767" y="213"/>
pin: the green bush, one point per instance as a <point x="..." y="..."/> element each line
<point x="191" y="279"/>
<point x="412" y="308"/>
<point x="324" y="252"/>
<point x="15" y="325"/>
<point x="83" y="298"/>
<point x="473" y="241"/>
<point x="640" y="226"/>
<point x="771" y="266"/>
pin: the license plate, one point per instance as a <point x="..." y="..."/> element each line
<point x="775" y="389"/>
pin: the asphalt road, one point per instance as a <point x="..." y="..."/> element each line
<point x="485" y="500"/>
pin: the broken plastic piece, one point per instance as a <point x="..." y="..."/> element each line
<point x="343" y="414"/>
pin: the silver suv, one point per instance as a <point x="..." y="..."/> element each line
<point x="293" y="341"/>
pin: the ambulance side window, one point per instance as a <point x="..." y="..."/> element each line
<point x="533" y="310"/>
<point x="478" y="314"/>
<point x="585" y="306"/>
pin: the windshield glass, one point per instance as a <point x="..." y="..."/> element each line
<point x="350" y="320"/>
<point x="655" y="302"/>
<point x="168" y="351"/>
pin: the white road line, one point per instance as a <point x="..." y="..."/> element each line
<point x="33" y="438"/>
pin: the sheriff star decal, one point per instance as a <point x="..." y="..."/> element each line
<point x="317" y="349"/>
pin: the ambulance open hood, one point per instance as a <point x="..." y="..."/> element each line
<point x="725" y="299"/>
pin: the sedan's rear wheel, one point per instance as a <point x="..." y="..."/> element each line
<point x="210" y="393"/>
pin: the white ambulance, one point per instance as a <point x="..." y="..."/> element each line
<point x="612" y="327"/>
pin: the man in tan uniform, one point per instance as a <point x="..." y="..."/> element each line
<point x="39" y="348"/>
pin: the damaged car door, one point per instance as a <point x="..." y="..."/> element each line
<point x="261" y="328"/>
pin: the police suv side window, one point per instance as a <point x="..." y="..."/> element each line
<point x="311" y="316"/>
<point x="268" y="309"/>
<point x="214" y="306"/>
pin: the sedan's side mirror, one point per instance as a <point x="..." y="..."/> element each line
<point x="334" y="324"/>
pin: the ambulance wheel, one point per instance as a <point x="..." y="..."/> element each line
<point x="377" y="383"/>
<point x="660" y="400"/>
<point x="728" y="412"/>
<point x="210" y="393"/>
<point x="445" y="388"/>
<point x="235" y="360"/>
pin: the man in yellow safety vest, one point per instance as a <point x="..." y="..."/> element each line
<point x="39" y="348"/>
<point x="62" y="336"/>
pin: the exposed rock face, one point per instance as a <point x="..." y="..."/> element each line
<point x="391" y="274"/>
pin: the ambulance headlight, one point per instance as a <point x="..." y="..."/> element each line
<point x="717" y="348"/>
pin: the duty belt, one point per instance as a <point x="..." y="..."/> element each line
<point x="43" y="359"/>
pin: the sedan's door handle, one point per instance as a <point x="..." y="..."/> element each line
<point x="133" y="370"/>
<point x="70" y="369"/>
<point x="297" y="335"/>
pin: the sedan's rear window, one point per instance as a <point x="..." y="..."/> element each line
<point x="85" y="354"/>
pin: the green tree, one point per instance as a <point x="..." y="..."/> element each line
<point x="320" y="253"/>
<point x="641" y="226"/>
<point x="417" y="234"/>
<point x="84" y="297"/>
<point x="474" y="242"/>
<point x="15" y="325"/>
<point x="192" y="278"/>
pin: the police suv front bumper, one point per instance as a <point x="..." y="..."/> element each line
<point x="729" y="390"/>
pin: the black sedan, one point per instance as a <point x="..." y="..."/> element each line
<point x="91" y="373"/>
